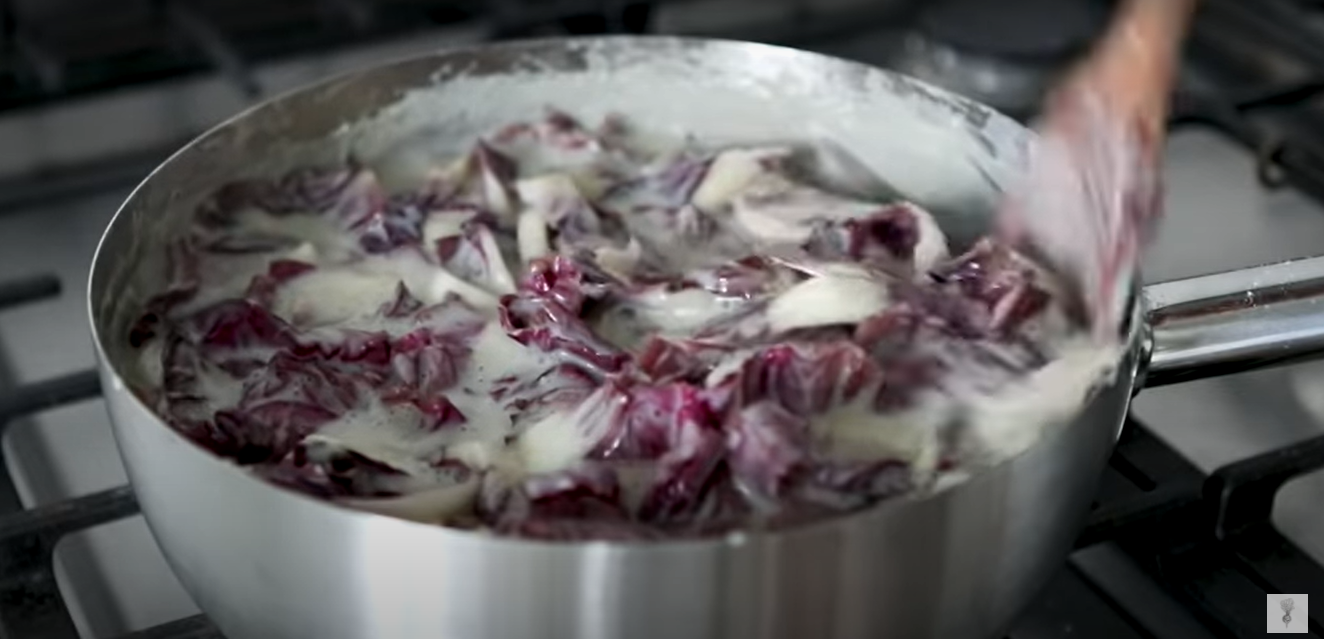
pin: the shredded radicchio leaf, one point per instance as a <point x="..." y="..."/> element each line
<point x="469" y="333"/>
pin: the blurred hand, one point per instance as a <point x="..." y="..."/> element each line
<point x="1092" y="195"/>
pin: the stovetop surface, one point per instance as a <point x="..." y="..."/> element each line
<point x="1180" y="543"/>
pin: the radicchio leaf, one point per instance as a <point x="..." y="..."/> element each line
<point x="346" y="195"/>
<point x="423" y="366"/>
<point x="687" y="471"/>
<point x="888" y="235"/>
<point x="804" y="378"/>
<point x="581" y="503"/>
<point x="563" y="385"/>
<point x="654" y="421"/>
<point x="474" y="256"/>
<point x="262" y="289"/>
<point x="667" y="187"/>
<point x="237" y="324"/>
<point x="767" y="445"/>
<point x="996" y="277"/>
<point x="848" y="485"/>
<point x="556" y="129"/>
<point x="394" y="223"/>
<point x="337" y="473"/>
<point x="290" y="381"/>
<point x="747" y="277"/>
<point x="182" y="285"/>
<point x="541" y="323"/>
<point x="403" y="305"/>
<point x="666" y="360"/>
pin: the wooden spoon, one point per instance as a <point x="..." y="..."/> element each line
<point x="1092" y="194"/>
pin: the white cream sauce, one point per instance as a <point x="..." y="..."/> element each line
<point x="828" y="300"/>
<point x="730" y="173"/>
<point x="856" y="431"/>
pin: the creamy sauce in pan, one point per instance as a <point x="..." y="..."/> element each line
<point x="468" y="407"/>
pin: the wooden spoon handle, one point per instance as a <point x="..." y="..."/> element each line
<point x="1134" y="65"/>
<point x="1092" y="195"/>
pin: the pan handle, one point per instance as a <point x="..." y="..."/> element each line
<point x="1236" y="321"/>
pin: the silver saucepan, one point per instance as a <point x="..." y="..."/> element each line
<point x="266" y="563"/>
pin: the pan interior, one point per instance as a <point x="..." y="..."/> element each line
<point x="949" y="155"/>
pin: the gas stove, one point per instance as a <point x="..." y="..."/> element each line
<point x="1207" y="514"/>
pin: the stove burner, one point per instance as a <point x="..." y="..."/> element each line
<point x="1004" y="54"/>
<point x="1050" y="30"/>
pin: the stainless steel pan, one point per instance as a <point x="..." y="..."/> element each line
<point x="265" y="563"/>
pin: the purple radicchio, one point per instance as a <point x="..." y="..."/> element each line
<point x="727" y="414"/>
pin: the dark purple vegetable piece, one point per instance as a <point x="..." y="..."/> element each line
<point x="584" y="492"/>
<point x="249" y="243"/>
<point x="679" y="180"/>
<point x="848" y="485"/>
<point x="544" y="314"/>
<point x="439" y="412"/>
<point x="458" y="318"/>
<point x="561" y="129"/>
<point x="262" y="435"/>
<point x="556" y="129"/>
<point x="367" y="347"/>
<point x="309" y="479"/>
<point x="345" y="194"/>
<point x="403" y="305"/>
<point x="558" y="279"/>
<point x="771" y="455"/>
<point x="902" y="377"/>
<point x="687" y="471"/>
<point x="580" y="226"/>
<point x="746" y="277"/>
<point x="315" y="383"/>
<point x="483" y="184"/>
<point x="423" y="366"/>
<point x="805" y="378"/>
<point x="666" y="360"/>
<point x="671" y="424"/>
<point x="691" y="222"/>
<point x="993" y="275"/>
<point x="235" y="324"/>
<point x="543" y="324"/>
<point x="467" y="254"/>
<point x="667" y="189"/>
<point x="653" y="420"/>
<point x="338" y="474"/>
<point x="886" y="236"/>
<point x="182" y="398"/>
<point x="182" y="270"/>
<point x="262" y="289"/>
<point x="767" y="445"/>
<point x="562" y="385"/>
<point x="387" y="225"/>
<point x="581" y="503"/>
<point x="497" y="169"/>
<point x="370" y="349"/>
<point x="927" y="334"/>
